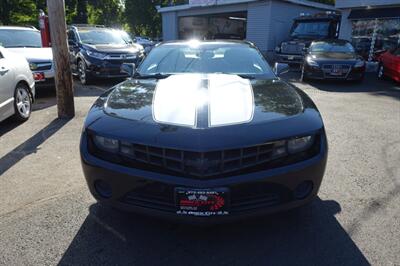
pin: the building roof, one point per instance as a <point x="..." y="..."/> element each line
<point x="231" y="2"/>
<point x="365" y="3"/>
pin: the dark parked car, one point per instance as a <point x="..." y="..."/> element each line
<point x="204" y="135"/>
<point x="333" y="59"/>
<point x="98" y="52"/>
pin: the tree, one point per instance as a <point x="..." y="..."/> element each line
<point x="142" y="16"/>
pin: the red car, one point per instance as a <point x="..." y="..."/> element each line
<point x="389" y="64"/>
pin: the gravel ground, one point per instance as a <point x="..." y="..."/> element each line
<point x="48" y="217"/>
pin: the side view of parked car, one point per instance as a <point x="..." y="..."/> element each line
<point x="334" y="60"/>
<point x="17" y="86"/>
<point x="26" y="41"/>
<point x="389" y="64"/>
<point x="99" y="52"/>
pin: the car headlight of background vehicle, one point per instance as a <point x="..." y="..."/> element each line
<point x="300" y="144"/>
<point x="311" y="62"/>
<point x="106" y="144"/>
<point x="359" y="63"/>
<point x="33" y="66"/>
<point x="96" y="54"/>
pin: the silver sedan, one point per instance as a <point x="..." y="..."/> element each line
<point x="17" y="86"/>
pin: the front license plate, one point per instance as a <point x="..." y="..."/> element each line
<point x="290" y="58"/>
<point x="202" y="202"/>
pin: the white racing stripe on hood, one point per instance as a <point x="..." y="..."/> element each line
<point x="231" y="100"/>
<point x="175" y="100"/>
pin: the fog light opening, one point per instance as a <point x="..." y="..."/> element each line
<point x="303" y="190"/>
<point x="103" y="189"/>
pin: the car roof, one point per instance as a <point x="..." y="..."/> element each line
<point x="18" y="28"/>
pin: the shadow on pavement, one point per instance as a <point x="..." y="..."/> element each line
<point x="308" y="236"/>
<point x="31" y="145"/>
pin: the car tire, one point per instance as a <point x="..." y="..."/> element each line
<point x="381" y="72"/>
<point x="22" y="103"/>
<point x="83" y="75"/>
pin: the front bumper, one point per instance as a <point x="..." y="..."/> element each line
<point x="47" y="80"/>
<point x="311" y="72"/>
<point x="108" y="68"/>
<point x="152" y="193"/>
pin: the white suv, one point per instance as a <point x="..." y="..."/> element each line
<point x="17" y="86"/>
<point x="27" y="42"/>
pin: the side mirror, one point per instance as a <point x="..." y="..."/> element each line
<point x="72" y="43"/>
<point x="280" y="68"/>
<point x="305" y="50"/>
<point x="128" y="68"/>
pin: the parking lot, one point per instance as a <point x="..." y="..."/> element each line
<point x="47" y="215"/>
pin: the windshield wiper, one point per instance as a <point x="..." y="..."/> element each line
<point x="137" y="75"/>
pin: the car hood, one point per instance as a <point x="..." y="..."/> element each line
<point x="203" y="101"/>
<point x="35" y="54"/>
<point x="113" y="48"/>
<point x="203" y="112"/>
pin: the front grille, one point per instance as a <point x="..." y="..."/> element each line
<point x="243" y="198"/>
<point x="202" y="164"/>
<point x="41" y="66"/>
<point x="329" y="70"/>
<point x="121" y="57"/>
<point x="288" y="48"/>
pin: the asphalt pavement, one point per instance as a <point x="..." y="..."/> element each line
<point x="48" y="217"/>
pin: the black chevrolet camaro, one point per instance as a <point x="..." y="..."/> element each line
<point x="204" y="131"/>
<point x="332" y="60"/>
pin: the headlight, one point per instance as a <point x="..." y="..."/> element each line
<point x="106" y="144"/>
<point x="359" y="63"/>
<point x="33" y="66"/>
<point x="96" y="54"/>
<point x="300" y="144"/>
<point x="311" y="62"/>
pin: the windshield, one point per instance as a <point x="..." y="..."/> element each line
<point x="324" y="47"/>
<point x="315" y="28"/>
<point x="100" y="36"/>
<point x="20" y="38"/>
<point x="205" y="58"/>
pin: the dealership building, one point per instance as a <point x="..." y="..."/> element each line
<point x="371" y="25"/>
<point x="265" y="23"/>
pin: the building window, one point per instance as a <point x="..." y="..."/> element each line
<point x="374" y="35"/>
<point x="216" y="26"/>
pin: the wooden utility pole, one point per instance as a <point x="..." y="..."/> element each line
<point x="63" y="75"/>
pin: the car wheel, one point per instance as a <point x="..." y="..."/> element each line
<point x="82" y="73"/>
<point x="22" y="103"/>
<point x="303" y="77"/>
<point x="381" y="71"/>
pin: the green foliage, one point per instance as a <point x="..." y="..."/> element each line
<point x="142" y="17"/>
<point x="25" y="12"/>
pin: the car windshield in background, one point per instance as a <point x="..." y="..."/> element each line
<point x="20" y="38"/>
<point x="228" y="58"/>
<point x="324" y="47"/>
<point x="305" y="29"/>
<point x="101" y="36"/>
